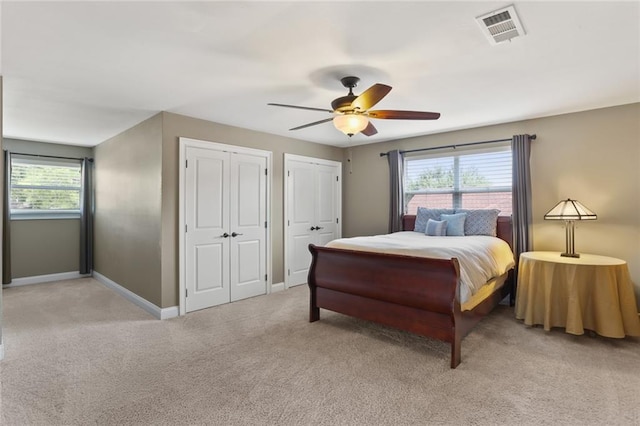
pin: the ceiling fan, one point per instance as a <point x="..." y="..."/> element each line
<point x="351" y="112"/>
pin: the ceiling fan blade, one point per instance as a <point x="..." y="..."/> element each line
<point x="312" y="124"/>
<point x="370" y="97"/>
<point x="390" y="114"/>
<point x="370" y="130"/>
<point x="301" y="107"/>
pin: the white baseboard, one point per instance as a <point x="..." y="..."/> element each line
<point x="277" y="287"/>
<point x="156" y="311"/>
<point x="16" y="282"/>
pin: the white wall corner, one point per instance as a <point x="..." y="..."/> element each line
<point x="156" y="311"/>
<point x="170" y="312"/>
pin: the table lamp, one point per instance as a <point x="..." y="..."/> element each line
<point x="570" y="210"/>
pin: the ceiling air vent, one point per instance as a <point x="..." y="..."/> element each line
<point x="501" y="25"/>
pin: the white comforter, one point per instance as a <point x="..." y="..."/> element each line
<point x="481" y="257"/>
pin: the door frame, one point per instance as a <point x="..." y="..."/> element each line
<point x="185" y="143"/>
<point x="312" y="160"/>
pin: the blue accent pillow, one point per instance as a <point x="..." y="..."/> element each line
<point x="480" y="222"/>
<point x="455" y="224"/>
<point x="424" y="214"/>
<point x="436" y="228"/>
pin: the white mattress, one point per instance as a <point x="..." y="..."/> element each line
<point x="481" y="257"/>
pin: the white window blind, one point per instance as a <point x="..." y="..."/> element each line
<point x="469" y="179"/>
<point x="44" y="187"/>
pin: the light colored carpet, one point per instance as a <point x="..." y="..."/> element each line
<point x="79" y="354"/>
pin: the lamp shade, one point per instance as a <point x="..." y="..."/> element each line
<point x="350" y="124"/>
<point x="570" y="210"/>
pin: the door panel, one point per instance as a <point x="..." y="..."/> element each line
<point x="207" y="219"/>
<point x="322" y="238"/>
<point x="249" y="193"/>
<point x="302" y="180"/>
<point x="300" y="258"/>
<point x="248" y="196"/>
<point x="301" y="218"/>
<point x="207" y="276"/>
<point x="250" y="276"/>
<point x="326" y="202"/>
<point x="209" y="197"/>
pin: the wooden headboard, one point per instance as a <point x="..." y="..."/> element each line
<point x="504" y="229"/>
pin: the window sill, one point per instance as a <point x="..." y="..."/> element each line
<point x="44" y="216"/>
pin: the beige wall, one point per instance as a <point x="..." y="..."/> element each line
<point x="591" y="156"/>
<point x="43" y="247"/>
<point x="51" y="246"/>
<point x="128" y="209"/>
<point x="175" y="126"/>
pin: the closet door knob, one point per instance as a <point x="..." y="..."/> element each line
<point x="225" y="235"/>
<point x="313" y="228"/>
<point x="235" y="234"/>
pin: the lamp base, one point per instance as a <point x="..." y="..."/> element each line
<point x="570" y="254"/>
<point x="570" y="244"/>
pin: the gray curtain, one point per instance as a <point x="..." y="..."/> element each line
<point x="6" y="221"/>
<point x="86" y="217"/>
<point x="522" y="216"/>
<point x="396" y="172"/>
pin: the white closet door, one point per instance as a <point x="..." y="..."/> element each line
<point x="313" y="211"/>
<point x="248" y="184"/>
<point x="301" y="218"/>
<point x="207" y="220"/>
<point x="326" y="199"/>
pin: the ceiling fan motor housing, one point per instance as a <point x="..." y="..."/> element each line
<point x="343" y="103"/>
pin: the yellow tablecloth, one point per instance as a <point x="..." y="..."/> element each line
<point x="590" y="292"/>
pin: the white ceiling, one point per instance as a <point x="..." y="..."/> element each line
<point x="81" y="72"/>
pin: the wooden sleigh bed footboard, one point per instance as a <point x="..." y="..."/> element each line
<point x="415" y="294"/>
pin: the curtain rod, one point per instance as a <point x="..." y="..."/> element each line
<point x="50" y="156"/>
<point x="382" y="154"/>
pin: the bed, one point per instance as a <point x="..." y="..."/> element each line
<point x="412" y="293"/>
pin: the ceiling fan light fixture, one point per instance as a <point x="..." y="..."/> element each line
<point x="350" y="124"/>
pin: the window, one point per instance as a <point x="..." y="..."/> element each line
<point x="43" y="187"/>
<point x="469" y="179"/>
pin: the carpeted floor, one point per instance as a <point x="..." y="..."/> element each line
<point x="79" y="354"/>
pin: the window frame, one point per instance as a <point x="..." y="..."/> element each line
<point x="456" y="192"/>
<point x="38" y="214"/>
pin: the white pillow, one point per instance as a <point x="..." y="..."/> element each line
<point x="436" y="228"/>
